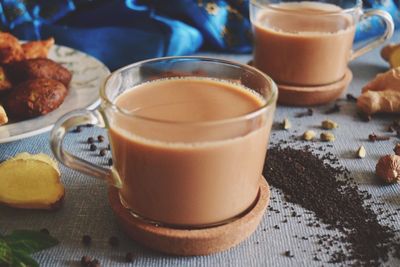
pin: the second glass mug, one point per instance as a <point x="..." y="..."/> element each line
<point x="309" y="43"/>
<point x="194" y="182"/>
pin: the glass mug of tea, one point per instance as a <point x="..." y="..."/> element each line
<point x="309" y="43"/>
<point x="188" y="137"/>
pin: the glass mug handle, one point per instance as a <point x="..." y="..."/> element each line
<point x="70" y="121"/>
<point x="387" y="19"/>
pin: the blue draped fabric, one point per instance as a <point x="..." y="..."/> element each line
<point x="121" y="32"/>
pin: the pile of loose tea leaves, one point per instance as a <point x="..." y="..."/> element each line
<point x="318" y="183"/>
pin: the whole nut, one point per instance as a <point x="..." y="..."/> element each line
<point x="388" y="168"/>
<point x="397" y="149"/>
<point x="309" y="135"/>
<point x="329" y="124"/>
<point x="327" y="137"/>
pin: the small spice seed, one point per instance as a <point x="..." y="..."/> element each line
<point x="329" y="124"/>
<point x="93" y="147"/>
<point x="45" y="231"/>
<point x="364" y="117"/>
<point x="309" y="135"/>
<point x="103" y="152"/>
<point x="90" y="140"/>
<point x="288" y="254"/>
<point x="113" y="241"/>
<point x="373" y="137"/>
<point x="129" y="257"/>
<point x="85" y="260"/>
<point x="361" y="152"/>
<point x="309" y="112"/>
<point x="86" y="240"/>
<point x="334" y="109"/>
<point x="100" y="138"/>
<point x="351" y="98"/>
<point x="327" y="137"/>
<point x="94" y="263"/>
<point x="286" y="124"/>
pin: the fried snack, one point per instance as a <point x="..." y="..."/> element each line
<point x="5" y="84"/>
<point x="31" y="182"/>
<point x="10" y="49"/>
<point x="31" y="69"/>
<point x="35" y="97"/>
<point x="3" y="116"/>
<point x="37" y="49"/>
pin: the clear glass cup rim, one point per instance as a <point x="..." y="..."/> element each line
<point x="357" y="7"/>
<point x="248" y="116"/>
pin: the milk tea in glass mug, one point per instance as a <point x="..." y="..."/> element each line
<point x="309" y="43"/>
<point x="188" y="137"/>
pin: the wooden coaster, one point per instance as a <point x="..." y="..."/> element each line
<point x="313" y="95"/>
<point x="191" y="242"/>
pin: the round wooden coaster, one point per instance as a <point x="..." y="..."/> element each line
<point x="191" y="242"/>
<point x="313" y="95"/>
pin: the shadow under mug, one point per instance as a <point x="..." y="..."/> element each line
<point x="196" y="181"/>
<point x="309" y="43"/>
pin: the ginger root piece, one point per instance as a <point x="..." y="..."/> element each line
<point x="387" y="101"/>
<point x="31" y="182"/>
<point x="384" y="81"/>
<point x="387" y="50"/>
<point x="394" y="58"/>
<point x="3" y="116"/>
<point x="381" y="95"/>
<point x="37" y="49"/>
<point x="391" y="53"/>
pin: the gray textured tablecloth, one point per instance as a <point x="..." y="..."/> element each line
<point x="86" y="210"/>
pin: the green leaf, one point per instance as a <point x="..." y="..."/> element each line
<point x="16" y="247"/>
<point x="29" y="241"/>
<point x="5" y="253"/>
<point x="21" y="259"/>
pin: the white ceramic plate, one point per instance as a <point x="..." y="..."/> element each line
<point x="88" y="74"/>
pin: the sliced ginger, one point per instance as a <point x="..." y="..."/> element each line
<point x="40" y="157"/>
<point x="31" y="182"/>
